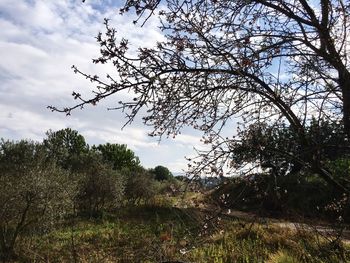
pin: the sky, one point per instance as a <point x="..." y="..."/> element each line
<point x="39" y="41"/>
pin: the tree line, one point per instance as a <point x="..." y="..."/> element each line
<point x="45" y="182"/>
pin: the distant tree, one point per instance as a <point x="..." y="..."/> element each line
<point x="65" y="146"/>
<point x="118" y="155"/>
<point x="258" y="60"/>
<point x="100" y="187"/>
<point x="34" y="193"/>
<point x="161" y="173"/>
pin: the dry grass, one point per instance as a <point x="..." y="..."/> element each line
<point x="164" y="233"/>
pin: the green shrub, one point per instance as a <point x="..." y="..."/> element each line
<point x="35" y="193"/>
<point x="100" y="187"/>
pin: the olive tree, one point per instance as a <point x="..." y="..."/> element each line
<point x="280" y="61"/>
<point x="140" y="186"/>
<point x="100" y="187"/>
<point x="35" y="192"/>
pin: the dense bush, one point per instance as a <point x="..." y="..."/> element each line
<point x="100" y="187"/>
<point x="140" y="186"/>
<point x="297" y="194"/>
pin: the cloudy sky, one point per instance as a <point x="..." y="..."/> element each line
<point x="39" y="41"/>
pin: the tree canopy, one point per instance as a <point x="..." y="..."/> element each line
<point x="65" y="146"/>
<point x="281" y="62"/>
<point x="118" y="155"/>
<point x="161" y="173"/>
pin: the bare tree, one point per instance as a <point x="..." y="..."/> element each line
<point x="270" y="61"/>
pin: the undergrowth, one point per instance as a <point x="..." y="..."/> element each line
<point x="159" y="234"/>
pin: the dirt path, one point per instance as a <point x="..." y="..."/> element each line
<point x="323" y="229"/>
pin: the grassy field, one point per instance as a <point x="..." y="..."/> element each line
<point x="164" y="233"/>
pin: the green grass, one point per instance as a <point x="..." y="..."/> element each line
<point x="161" y="233"/>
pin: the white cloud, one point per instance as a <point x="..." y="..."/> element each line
<point x="18" y="123"/>
<point x="40" y="41"/>
<point x="187" y="140"/>
<point x="133" y="137"/>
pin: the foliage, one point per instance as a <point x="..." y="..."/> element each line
<point x="161" y="173"/>
<point x="34" y="194"/>
<point x="171" y="187"/>
<point x="341" y="167"/>
<point x="118" y="155"/>
<point x="285" y="183"/>
<point x="288" y="195"/>
<point x="100" y="187"/>
<point x="65" y="146"/>
<point x="140" y="186"/>
<point x="277" y="147"/>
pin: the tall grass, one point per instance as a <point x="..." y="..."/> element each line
<point x="163" y="233"/>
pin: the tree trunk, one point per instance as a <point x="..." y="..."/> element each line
<point x="344" y="83"/>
